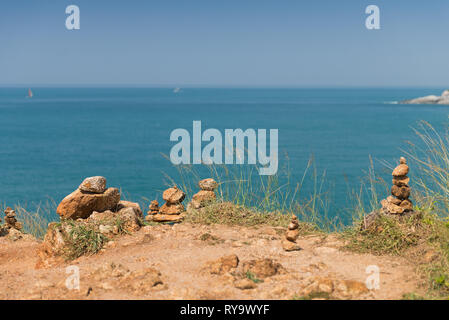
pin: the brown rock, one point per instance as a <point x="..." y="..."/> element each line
<point x="223" y="265"/>
<point x="394" y="200"/>
<point x="173" y="195"/>
<point x="172" y="209"/>
<point x="208" y="184"/>
<point x="400" y="170"/>
<point x="154" y="206"/>
<point x="290" y="246"/>
<point x="245" y="284"/>
<point x="400" y="192"/>
<point x="262" y="268"/>
<point x="93" y="184"/>
<point x="407" y="205"/>
<point x="80" y="204"/>
<point x="128" y="204"/>
<point x="292" y="235"/>
<point x="401" y="181"/>
<point x="202" y="198"/>
<point x="167" y="217"/>
<point x="391" y="208"/>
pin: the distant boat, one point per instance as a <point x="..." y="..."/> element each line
<point x="30" y="93"/>
<point x="176" y="90"/>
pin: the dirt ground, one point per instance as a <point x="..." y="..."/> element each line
<point x="171" y="262"/>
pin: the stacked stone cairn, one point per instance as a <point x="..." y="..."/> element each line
<point x="205" y="196"/>
<point x="291" y="235"/>
<point x="399" y="203"/>
<point x="11" y="221"/>
<point x="172" y="210"/>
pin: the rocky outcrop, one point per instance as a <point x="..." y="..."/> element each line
<point x="81" y="203"/>
<point x="205" y="196"/>
<point x="432" y="99"/>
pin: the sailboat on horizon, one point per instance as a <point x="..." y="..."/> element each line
<point x="30" y="93"/>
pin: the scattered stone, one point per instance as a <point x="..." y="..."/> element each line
<point x="93" y="184"/>
<point x="245" y="284"/>
<point x="291" y="235"/>
<point x="262" y="268"/>
<point x="223" y="265"/>
<point x="208" y="184"/>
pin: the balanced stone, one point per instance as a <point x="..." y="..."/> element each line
<point x="402" y="192"/>
<point x="95" y="184"/>
<point x="173" y="195"/>
<point x="208" y="184"/>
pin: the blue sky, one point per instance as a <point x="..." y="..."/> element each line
<point x="225" y="43"/>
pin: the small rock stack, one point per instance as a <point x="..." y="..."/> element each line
<point x="206" y="195"/>
<point x="399" y="202"/>
<point x="291" y="235"/>
<point x="11" y="221"/>
<point x="172" y="210"/>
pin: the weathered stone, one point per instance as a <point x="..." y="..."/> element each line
<point x="400" y="170"/>
<point x="262" y="268"/>
<point x="172" y="209"/>
<point x="245" y="284"/>
<point x="402" y="192"/>
<point x="223" y="265"/>
<point x="292" y="235"/>
<point x="154" y="206"/>
<point x="401" y="181"/>
<point x="391" y="208"/>
<point x="93" y="184"/>
<point x="173" y="195"/>
<point x="202" y="198"/>
<point x="394" y="200"/>
<point x="167" y="217"/>
<point x="80" y="204"/>
<point x="290" y="246"/>
<point x="208" y="184"/>
<point x="406" y="205"/>
<point x="128" y="204"/>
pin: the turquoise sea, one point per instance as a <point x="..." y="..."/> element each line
<point x="49" y="143"/>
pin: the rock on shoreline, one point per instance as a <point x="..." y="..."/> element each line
<point x="432" y="99"/>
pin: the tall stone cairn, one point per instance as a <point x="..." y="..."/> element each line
<point x="398" y="203"/>
<point x="291" y="235"/>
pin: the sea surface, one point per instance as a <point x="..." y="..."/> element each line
<point x="50" y="142"/>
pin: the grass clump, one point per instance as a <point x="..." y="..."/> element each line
<point x="388" y="235"/>
<point x="82" y="239"/>
<point x="251" y="276"/>
<point x="230" y="214"/>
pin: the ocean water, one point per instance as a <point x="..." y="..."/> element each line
<point x="49" y="143"/>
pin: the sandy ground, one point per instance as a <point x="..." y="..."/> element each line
<point x="170" y="262"/>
